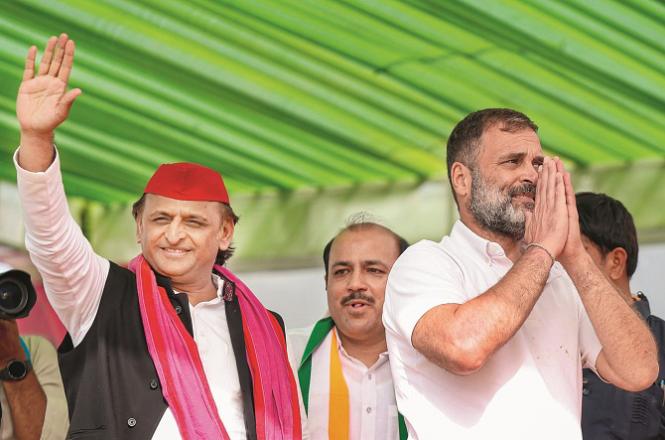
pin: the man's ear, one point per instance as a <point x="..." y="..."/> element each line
<point x="615" y="263"/>
<point x="460" y="179"/>
<point x="226" y="233"/>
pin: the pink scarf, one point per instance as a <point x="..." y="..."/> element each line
<point x="184" y="384"/>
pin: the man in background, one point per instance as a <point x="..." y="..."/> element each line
<point x="608" y="412"/>
<point x="342" y="361"/>
<point x="32" y="398"/>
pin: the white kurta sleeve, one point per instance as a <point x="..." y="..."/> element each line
<point x="422" y="278"/>
<point x="73" y="275"/>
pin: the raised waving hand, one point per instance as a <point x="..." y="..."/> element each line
<point x="43" y="101"/>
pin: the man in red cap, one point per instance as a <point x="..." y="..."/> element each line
<point x="174" y="345"/>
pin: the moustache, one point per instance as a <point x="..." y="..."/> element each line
<point x="525" y="188"/>
<point x="358" y="295"/>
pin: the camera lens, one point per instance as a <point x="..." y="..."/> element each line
<point x="17" y="295"/>
<point x="13" y="297"/>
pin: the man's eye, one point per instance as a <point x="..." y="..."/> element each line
<point x="341" y="272"/>
<point x="194" y="223"/>
<point x="376" y="270"/>
<point x="160" y="219"/>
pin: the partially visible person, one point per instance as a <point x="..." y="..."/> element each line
<point x="342" y="361"/>
<point x="608" y="412"/>
<point x="32" y="398"/>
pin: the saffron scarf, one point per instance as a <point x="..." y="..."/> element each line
<point x="338" y="387"/>
<point x="184" y="384"/>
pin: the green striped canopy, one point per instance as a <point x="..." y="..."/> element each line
<point x="299" y="101"/>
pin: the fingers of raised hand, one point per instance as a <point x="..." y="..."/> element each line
<point x="29" y="71"/>
<point x="45" y="63"/>
<point x="58" y="55"/>
<point x="68" y="61"/>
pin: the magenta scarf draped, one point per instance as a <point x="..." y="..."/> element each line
<point x="184" y="384"/>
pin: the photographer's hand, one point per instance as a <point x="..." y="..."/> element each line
<point x="10" y="347"/>
<point x="43" y="101"/>
<point x="27" y="401"/>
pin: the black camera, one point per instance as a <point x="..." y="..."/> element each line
<point x="17" y="294"/>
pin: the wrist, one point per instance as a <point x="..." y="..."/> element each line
<point x="576" y="261"/>
<point x="15" y="370"/>
<point x="36" y="137"/>
<point x="542" y="250"/>
<point x="13" y="354"/>
<point x="36" y="151"/>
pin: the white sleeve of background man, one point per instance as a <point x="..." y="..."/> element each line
<point x="73" y="275"/>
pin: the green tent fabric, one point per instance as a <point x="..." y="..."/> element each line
<point x="298" y="102"/>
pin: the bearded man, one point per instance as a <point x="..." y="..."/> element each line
<point x="488" y="330"/>
<point x="175" y="345"/>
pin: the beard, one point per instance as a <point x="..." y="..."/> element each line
<point x="493" y="208"/>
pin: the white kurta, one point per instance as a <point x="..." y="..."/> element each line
<point x="373" y="410"/>
<point x="531" y="388"/>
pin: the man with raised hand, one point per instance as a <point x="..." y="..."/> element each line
<point x="174" y="345"/>
<point x="341" y="362"/>
<point x="488" y="330"/>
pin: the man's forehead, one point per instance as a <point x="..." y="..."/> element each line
<point x="496" y="141"/>
<point x="154" y="202"/>
<point x="372" y="243"/>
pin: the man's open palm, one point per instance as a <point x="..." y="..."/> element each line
<point x="43" y="101"/>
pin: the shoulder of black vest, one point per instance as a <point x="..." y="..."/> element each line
<point x="280" y="320"/>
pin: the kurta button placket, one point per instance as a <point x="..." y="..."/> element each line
<point x="131" y="422"/>
<point x="154" y="384"/>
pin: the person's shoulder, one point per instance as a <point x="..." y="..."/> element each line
<point x="424" y="249"/>
<point x="41" y="350"/>
<point x="36" y="343"/>
<point x="658" y="322"/>
<point x="299" y="336"/>
<point x="279" y="319"/>
<point x="427" y="254"/>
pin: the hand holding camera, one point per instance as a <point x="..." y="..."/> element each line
<point x="17" y="297"/>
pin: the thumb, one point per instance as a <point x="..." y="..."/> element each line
<point x="69" y="97"/>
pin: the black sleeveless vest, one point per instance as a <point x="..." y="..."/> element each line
<point x="112" y="387"/>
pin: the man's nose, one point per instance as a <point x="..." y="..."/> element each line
<point x="530" y="173"/>
<point x="357" y="281"/>
<point x="174" y="232"/>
